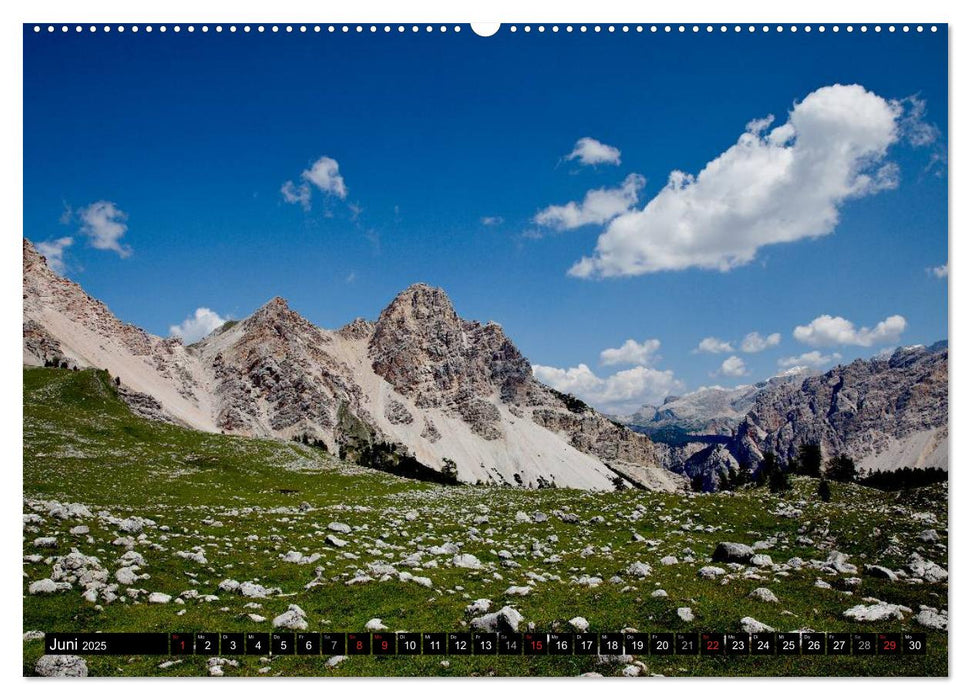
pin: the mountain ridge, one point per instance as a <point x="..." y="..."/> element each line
<point x="420" y="385"/>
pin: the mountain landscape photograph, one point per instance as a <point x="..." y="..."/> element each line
<point x="557" y="334"/>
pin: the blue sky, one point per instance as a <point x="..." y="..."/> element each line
<point x="436" y="158"/>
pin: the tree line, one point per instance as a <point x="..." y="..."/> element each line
<point x="775" y="474"/>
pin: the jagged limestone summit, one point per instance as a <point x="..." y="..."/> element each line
<point x="420" y="389"/>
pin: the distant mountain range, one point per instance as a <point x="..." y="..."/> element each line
<point x="419" y="391"/>
<point x="887" y="412"/>
<point x="707" y="411"/>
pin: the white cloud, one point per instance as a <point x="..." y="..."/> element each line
<point x="734" y="366"/>
<point x="623" y="392"/>
<point x="104" y="224"/>
<point x="592" y="152"/>
<point x="598" y="206"/>
<point x="813" y="358"/>
<point x="714" y="345"/>
<point x="197" y="326"/>
<point x="631" y="353"/>
<point x="754" y="342"/>
<point x="324" y="174"/>
<point x="771" y="186"/>
<point x="827" y="331"/>
<point x="940" y="272"/>
<point x="54" y="252"/>
<point x="912" y="124"/>
<point x="491" y="220"/>
<point x="296" y="194"/>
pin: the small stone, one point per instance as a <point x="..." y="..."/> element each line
<point x="930" y="618"/>
<point x="879" y="572"/>
<point x="293" y="619"/>
<point x="764" y="595"/>
<point x="760" y="560"/>
<point x="478" y="607"/>
<point x="751" y="625"/>
<point x="466" y="561"/>
<point x="732" y="552"/>
<point x="686" y="615"/>
<point x="506" y="619"/>
<point x="46" y="585"/>
<point x="711" y="572"/>
<point x="519" y="590"/>
<point x="877" y="612"/>
<point x="61" y="666"/>
<point x="580" y="624"/>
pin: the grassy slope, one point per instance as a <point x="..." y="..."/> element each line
<point x="82" y="445"/>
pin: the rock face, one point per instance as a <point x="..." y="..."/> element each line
<point x="420" y="392"/>
<point x="887" y="413"/>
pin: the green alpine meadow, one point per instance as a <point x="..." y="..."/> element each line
<point x="137" y="525"/>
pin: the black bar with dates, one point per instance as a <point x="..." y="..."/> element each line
<point x="886" y="644"/>
<point x="107" y="643"/>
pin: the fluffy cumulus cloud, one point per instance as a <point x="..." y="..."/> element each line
<point x="714" y="346"/>
<point x="598" y="206"/>
<point x="734" y="366"/>
<point x="197" y="326"/>
<point x="622" y="392"/>
<point x="324" y="174"/>
<point x="54" y="252"/>
<point x="813" y="358"/>
<point x="104" y="224"/>
<point x="631" y="353"/>
<point x="755" y="342"/>
<point x="592" y="152"/>
<point x="774" y="185"/>
<point x="940" y="272"/>
<point x="828" y="331"/>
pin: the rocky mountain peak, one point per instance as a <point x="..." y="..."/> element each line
<point x="421" y="305"/>
<point x="426" y="352"/>
<point x="274" y="307"/>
